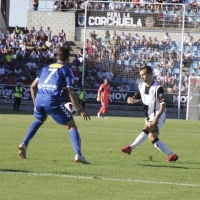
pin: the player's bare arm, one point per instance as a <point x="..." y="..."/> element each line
<point x="74" y="100"/>
<point x="98" y="97"/>
<point x="161" y="110"/>
<point x="33" y="89"/>
<point x="132" y="100"/>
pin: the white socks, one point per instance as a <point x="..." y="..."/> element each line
<point x="158" y="144"/>
<point x="163" y="147"/>
<point x="140" y="138"/>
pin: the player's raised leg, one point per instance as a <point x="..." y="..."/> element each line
<point x="140" y="138"/>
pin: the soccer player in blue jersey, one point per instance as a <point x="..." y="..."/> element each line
<point x="47" y="101"/>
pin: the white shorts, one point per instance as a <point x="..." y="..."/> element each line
<point x="161" y="120"/>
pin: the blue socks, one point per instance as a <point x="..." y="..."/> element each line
<point x="32" y="131"/>
<point x="74" y="135"/>
<point x="76" y="141"/>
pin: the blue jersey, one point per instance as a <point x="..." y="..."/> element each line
<point x="51" y="81"/>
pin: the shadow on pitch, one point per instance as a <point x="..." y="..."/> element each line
<point x="163" y="166"/>
<point x="12" y="171"/>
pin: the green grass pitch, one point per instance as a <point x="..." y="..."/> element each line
<point x="50" y="172"/>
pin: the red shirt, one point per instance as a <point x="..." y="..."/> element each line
<point x="104" y="91"/>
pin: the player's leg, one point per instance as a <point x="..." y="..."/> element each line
<point x="62" y="116"/>
<point x="153" y="137"/>
<point x="18" y="103"/>
<point x="104" y="110"/>
<point x="100" y="111"/>
<point x="41" y="116"/>
<point x="83" y="105"/>
<point x="15" y="103"/>
<point x="139" y="139"/>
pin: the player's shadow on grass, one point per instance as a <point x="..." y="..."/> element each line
<point x="163" y="166"/>
<point x="14" y="171"/>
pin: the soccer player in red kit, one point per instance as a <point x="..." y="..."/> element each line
<point x="103" y="96"/>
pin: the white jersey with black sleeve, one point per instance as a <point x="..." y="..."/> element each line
<point x="152" y="97"/>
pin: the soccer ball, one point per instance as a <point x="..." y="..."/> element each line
<point x="72" y="109"/>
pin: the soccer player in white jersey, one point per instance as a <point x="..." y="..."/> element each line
<point x="152" y="96"/>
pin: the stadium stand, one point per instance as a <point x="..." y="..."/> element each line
<point x="23" y="53"/>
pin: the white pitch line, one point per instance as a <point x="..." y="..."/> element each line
<point x="99" y="178"/>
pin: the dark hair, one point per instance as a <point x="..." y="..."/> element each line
<point x="63" y="54"/>
<point x="148" y="69"/>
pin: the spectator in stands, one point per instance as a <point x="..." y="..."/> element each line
<point x="137" y="10"/>
<point x="40" y="32"/>
<point x="101" y="74"/>
<point x="57" y="43"/>
<point x="137" y="64"/>
<point x="165" y="54"/>
<point x="112" y="6"/>
<point x="174" y="17"/>
<point x="109" y="75"/>
<point x="135" y="5"/>
<point x="123" y="38"/>
<point x="93" y="35"/>
<point x="83" y="5"/>
<point x="10" y="81"/>
<point x="43" y="39"/>
<point x="144" y="40"/>
<point x="17" y="30"/>
<point x="48" y="43"/>
<point x="169" y="80"/>
<point x="9" y="56"/>
<point x="1" y="34"/>
<point x="137" y="38"/>
<point x="173" y="54"/>
<point x="26" y="31"/>
<point x="97" y="6"/>
<point x="160" y="16"/>
<point x="1" y="45"/>
<point x="90" y="50"/>
<point x="35" y="4"/>
<point x="124" y="87"/>
<point x="150" y="55"/>
<point x="142" y="55"/>
<point x="156" y="71"/>
<point x="48" y="32"/>
<point x="34" y="32"/>
<point x="22" y="35"/>
<point x="64" y="42"/>
<point x="76" y="63"/>
<point x="157" y="55"/>
<point x="160" y="78"/>
<point x="148" y="43"/>
<point x="166" y="40"/>
<point x="2" y="70"/>
<point x="61" y="34"/>
<point x="193" y="80"/>
<point x="171" y="61"/>
<point x="155" y="43"/>
<point x="57" y="5"/>
<point x="188" y="40"/>
<point x="188" y="55"/>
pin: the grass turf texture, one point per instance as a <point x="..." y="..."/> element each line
<point x="50" y="172"/>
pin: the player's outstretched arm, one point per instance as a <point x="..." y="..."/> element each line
<point x="74" y="100"/>
<point x="132" y="100"/>
<point x="33" y="89"/>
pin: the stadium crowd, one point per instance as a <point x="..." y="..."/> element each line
<point x="118" y="57"/>
<point x="23" y="53"/>
<point x="137" y="6"/>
